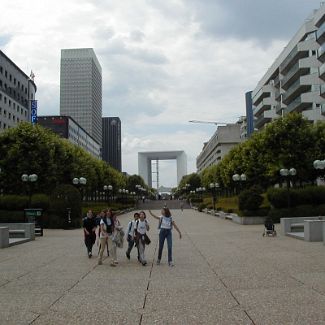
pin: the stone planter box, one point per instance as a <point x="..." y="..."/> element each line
<point x="248" y="220"/>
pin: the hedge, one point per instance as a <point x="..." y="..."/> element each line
<point x="311" y="195"/>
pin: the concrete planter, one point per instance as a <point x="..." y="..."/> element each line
<point x="248" y="220"/>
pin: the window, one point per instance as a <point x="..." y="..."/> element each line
<point x="9" y="116"/>
<point x="4" y="125"/>
<point x="9" y="103"/>
<point x="14" y="81"/>
<point x="6" y="73"/>
<point x="1" y="70"/>
<point x="10" y="78"/>
<point x="14" y="118"/>
<point x="5" y="113"/>
<point x="5" y="100"/>
<point x="0" y="96"/>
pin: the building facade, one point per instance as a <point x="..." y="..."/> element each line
<point x="81" y="89"/>
<point x="16" y="92"/>
<point x="68" y="128"/>
<point x="249" y="114"/>
<point x="111" y="142"/>
<point x="294" y="81"/>
<point x="223" y="140"/>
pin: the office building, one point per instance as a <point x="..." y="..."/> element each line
<point x="16" y="92"/>
<point x="223" y="140"/>
<point x="293" y="82"/>
<point x="111" y="142"/>
<point x="68" y="128"/>
<point x="81" y="89"/>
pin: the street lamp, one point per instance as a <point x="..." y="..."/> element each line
<point x="108" y="189"/>
<point x="80" y="182"/>
<point x="200" y="190"/>
<point x="287" y="174"/>
<point x="213" y="188"/>
<point x="239" y="179"/>
<point x="29" y="179"/>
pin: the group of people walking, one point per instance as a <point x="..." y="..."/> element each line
<point x="107" y="230"/>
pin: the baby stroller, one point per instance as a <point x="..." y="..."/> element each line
<point x="269" y="228"/>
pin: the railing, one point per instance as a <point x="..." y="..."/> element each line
<point x="291" y="73"/>
<point x="291" y="90"/>
<point x="293" y="105"/>
<point x="322" y="70"/>
<point x="320" y="31"/>
<point x="321" y="51"/>
<point x="289" y="58"/>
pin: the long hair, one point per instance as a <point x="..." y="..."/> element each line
<point x="145" y="216"/>
<point x="167" y="212"/>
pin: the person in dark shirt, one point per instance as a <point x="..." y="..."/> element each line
<point x="89" y="225"/>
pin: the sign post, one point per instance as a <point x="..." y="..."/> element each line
<point x="34" y="111"/>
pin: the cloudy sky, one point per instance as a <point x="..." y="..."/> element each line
<point x="164" y="62"/>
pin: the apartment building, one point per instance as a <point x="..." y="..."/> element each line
<point x="294" y="81"/>
<point x="223" y="140"/>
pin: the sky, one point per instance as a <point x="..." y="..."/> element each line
<point x="164" y="62"/>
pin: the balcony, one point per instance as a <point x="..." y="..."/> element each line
<point x="299" y="51"/>
<point x="321" y="53"/>
<point x="320" y="34"/>
<point x="298" y="105"/>
<point x="264" y="118"/>
<point x="295" y="89"/>
<point x="322" y="72"/>
<point x="277" y="81"/>
<point x="296" y="71"/>
<point x="264" y="92"/>
<point x="263" y="105"/>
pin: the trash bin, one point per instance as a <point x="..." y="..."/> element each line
<point x="35" y="216"/>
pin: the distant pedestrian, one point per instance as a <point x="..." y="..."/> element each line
<point x="89" y="226"/>
<point x="142" y="239"/>
<point x="130" y="236"/>
<point x="166" y="225"/>
<point x="106" y="236"/>
<point x="182" y="206"/>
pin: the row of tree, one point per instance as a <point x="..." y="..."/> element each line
<point x="288" y="142"/>
<point x="29" y="149"/>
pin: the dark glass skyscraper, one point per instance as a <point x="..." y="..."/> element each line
<point x="249" y="113"/>
<point x="111" y="141"/>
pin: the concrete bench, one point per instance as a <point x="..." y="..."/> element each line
<point x="19" y="228"/>
<point x="4" y="237"/>
<point x="17" y="233"/>
<point x="313" y="230"/>
<point x="288" y="223"/>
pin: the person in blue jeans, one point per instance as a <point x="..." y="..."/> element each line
<point x="166" y="225"/>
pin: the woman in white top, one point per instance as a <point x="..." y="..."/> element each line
<point x="166" y="225"/>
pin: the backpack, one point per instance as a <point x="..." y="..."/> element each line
<point x="109" y="228"/>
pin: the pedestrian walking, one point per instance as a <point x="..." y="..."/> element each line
<point x="89" y="226"/>
<point x="106" y="238"/>
<point x="130" y="236"/>
<point x="165" y="227"/>
<point x="142" y="239"/>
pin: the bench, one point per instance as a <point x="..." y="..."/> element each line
<point x="17" y="233"/>
<point x="306" y="228"/>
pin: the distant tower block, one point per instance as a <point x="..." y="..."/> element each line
<point x="145" y="158"/>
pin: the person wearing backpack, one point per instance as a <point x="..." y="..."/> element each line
<point x="130" y="236"/>
<point x="165" y="227"/>
<point x="106" y="228"/>
<point x="140" y="229"/>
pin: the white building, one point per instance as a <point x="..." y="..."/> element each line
<point x="293" y="83"/>
<point x="81" y="89"/>
<point x="223" y="140"/>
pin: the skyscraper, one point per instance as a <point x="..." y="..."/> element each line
<point x="81" y="89"/>
<point x="111" y="141"/>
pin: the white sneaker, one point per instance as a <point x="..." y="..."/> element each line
<point x="171" y="264"/>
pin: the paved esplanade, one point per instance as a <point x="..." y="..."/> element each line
<point x="224" y="274"/>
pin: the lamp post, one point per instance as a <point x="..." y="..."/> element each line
<point x="239" y="179"/>
<point x="31" y="179"/>
<point x="200" y="190"/>
<point x="108" y="189"/>
<point x="80" y="182"/>
<point x="287" y="174"/>
<point x="319" y="165"/>
<point x="213" y="188"/>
